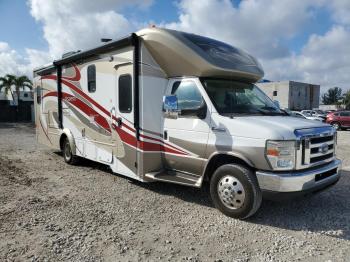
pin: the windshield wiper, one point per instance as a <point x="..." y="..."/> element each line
<point x="265" y="112"/>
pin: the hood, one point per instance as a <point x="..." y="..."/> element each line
<point x="266" y="127"/>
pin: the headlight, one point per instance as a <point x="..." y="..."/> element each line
<point x="281" y="154"/>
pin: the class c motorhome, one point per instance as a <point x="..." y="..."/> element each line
<point x="164" y="105"/>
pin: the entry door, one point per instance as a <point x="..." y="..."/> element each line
<point x="124" y="121"/>
<point x="188" y="132"/>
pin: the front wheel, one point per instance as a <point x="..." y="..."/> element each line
<point x="235" y="191"/>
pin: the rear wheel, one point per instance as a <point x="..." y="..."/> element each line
<point x="235" y="191"/>
<point x="336" y="125"/>
<point x="67" y="153"/>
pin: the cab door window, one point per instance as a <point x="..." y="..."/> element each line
<point x="188" y="95"/>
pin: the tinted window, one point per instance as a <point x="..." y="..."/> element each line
<point x="38" y="95"/>
<point x="188" y="95"/>
<point x="91" y="74"/>
<point x="222" y="54"/>
<point x="231" y="97"/>
<point x="125" y="94"/>
<point x="345" y="114"/>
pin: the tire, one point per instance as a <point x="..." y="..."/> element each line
<point x="68" y="156"/>
<point x="235" y="191"/>
<point x="336" y="125"/>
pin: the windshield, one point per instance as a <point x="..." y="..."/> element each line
<point x="231" y="97"/>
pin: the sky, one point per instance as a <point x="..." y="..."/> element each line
<point x="306" y="41"/>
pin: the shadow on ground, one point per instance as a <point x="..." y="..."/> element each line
<point x="327" y="212"/>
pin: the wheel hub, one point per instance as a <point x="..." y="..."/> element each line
<point x="231" y="192"/>
<point x="67" y="152"/>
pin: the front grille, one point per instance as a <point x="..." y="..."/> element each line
<point x="316" y="140"/>
<point x="320" y="158"/>
<point x="315" y="148"/>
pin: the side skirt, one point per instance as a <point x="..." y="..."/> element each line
<point x="175" y="177"/>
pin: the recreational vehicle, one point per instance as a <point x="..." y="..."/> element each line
<point x="164" y="105"/>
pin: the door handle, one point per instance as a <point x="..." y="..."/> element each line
<point x="111" y="114"/>
<point x="119" y="121"/>
<point x="218" y="129"/>
<point x="165" y="135"/>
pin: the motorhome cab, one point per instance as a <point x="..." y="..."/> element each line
<point x="163" y="105"/>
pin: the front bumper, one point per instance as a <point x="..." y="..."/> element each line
<point x="301" y="181"/>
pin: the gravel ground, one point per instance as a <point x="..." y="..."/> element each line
<point x="51" y="211"/>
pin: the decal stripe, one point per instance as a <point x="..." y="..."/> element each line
<point x="76" y="89"/>
<point x="77" y="75"/>
<point x="46" y="134"/>
<point x="126" y="137"/>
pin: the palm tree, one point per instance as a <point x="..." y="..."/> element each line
<point x="20" y="83"/>
<point x="7" y="82"/>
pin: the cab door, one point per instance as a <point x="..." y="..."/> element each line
<point x="190" y="130"/>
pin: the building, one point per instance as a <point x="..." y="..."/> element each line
<point x="11" y="111"/>
<point x="292" y="95"/>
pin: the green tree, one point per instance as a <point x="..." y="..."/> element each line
<point x="6" y="83"/>
<point x="22" y="82"/>
<point x="346" y="100"/>
<point x="332" y="96"/>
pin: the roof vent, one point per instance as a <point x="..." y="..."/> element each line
<point x="105" y="40"/>
<point x="70" y="53"/>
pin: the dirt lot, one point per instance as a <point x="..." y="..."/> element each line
<point x="52" y="211"/>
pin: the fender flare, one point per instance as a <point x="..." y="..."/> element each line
<point x="225" y="153"/>
<point x="70" y="137"/>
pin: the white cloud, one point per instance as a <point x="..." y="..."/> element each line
<point x="264" y="28"/>
<point x="325" y="59"/>
<point x="257" y="26"/>
<point x="11" y="62"/>
<point x="70" y="25"/>
<point x="4" y="46"/>
<point x="341" y="11"/>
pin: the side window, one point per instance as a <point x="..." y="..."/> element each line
<point x="38" y="95"/>
<point x="345" y="114"/>
<point x="188" y="95"/>
<point x="91" y="78"/>
<point x="125" y="94"/>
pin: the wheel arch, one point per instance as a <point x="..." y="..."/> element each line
<point x="221" y="158"/>
<point x="67" y="134"/>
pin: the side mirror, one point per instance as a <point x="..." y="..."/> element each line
<point x="170" y="106"/>
<point x="199" y="111"/>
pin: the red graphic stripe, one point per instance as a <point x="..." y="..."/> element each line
<point x="77" y="75"/>
<point x="125" y="136"/>
<point x="80" y="92"/>
<point x="41" y="124"/>
<point x="130" y="139"/>
<point x="163" y="142"/>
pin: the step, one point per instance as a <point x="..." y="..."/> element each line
<point x="175" y="177"/>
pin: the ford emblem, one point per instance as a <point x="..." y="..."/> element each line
<point x="323" y="148"/>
